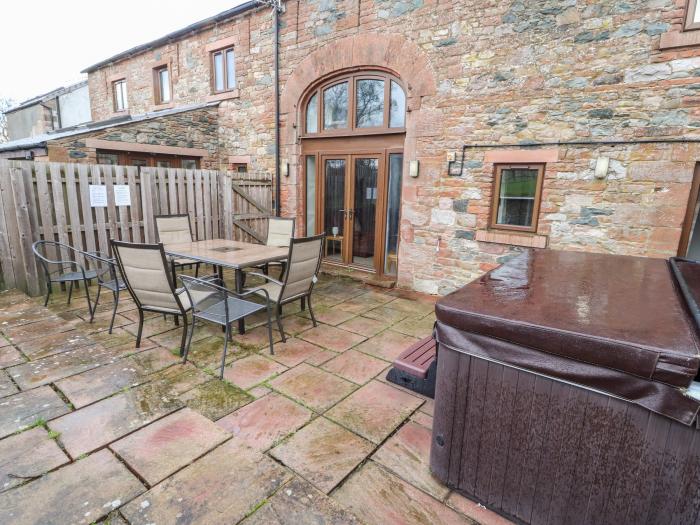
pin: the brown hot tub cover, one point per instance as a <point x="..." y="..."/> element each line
<point x="615" y="324"/>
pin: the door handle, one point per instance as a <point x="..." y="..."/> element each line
<point x="351" y="212"/>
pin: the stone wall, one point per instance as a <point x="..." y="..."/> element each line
<point x="502" y="72"/>
<point x="191" y="129"/>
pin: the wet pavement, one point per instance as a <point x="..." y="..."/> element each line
<point x="95" y="430"/>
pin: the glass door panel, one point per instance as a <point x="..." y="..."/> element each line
<point x="364" y="210"/>
<point x="393" y="208"/>
<point x="334" y="207"/>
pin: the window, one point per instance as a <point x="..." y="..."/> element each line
<point x="119" y="94"/>
<point x="361" y="103"/>
<point x="161" y="81"/>
<point x="516" y="199"/>
<point x="692" y="15"/>
<point x="188" y="164"/>
<point x="224" y="70"/>
<point x="108" y="158"/>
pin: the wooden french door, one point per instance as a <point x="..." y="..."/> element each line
<point x="351" y="208"/>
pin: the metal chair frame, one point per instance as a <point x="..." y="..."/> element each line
<point x="213" y="313"/>
<point x="173" y="264"/>
<point x="78" y="273"/>
<point x="115" y="284"/>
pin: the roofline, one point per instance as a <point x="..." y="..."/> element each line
<point x="47" y="96"/>
<point x="190" y="29"/>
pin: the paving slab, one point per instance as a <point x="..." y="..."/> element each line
<point x="384" y="313"/>
<point x="420" y="328"/>
<point x="313" y="387"/>
<point x="215" y="399"/>
<point x="221" y="487"/>
<point x="321" y="357"/>
<point x="407" y="454"/>
<point x="330" y="315"/>
<point x="376" y="496"/>
<point x="473" y="510"/>
<point x="423" y="419"/>
<point x="24" y="409"/>
<point x="165" y="446"/>
<point x="412" y="306"/>
<point x="154" y="326"/>
<point x="10" y="356"/>
<point x="294" y="351"/>
<point x="95" y="384"/>
<point x="7" y="387"/>
<point x="388" y="345"/>
<point x="300" y="503"/>
<point x="20" y="313"/>
<point x="264" y="422"/>
<point x="323" y="453"/>
<point x="52" y="344"/>
<point x="295" y="324"/>
<point x="360" y="304"/>
<point x="28" y="455"/>
<point x="332" y="338"/>
<point x="82" y="492"/>
<point x="375" y="410"/>
<point x="155" y="359"/>
<point x="364" y="326"/>
<point x="99" y="424"/>
<point x="257" y="338"/>
<point x="355" y="366"/>
<point x="252" y="370"/>
<point x="171" y="339"/>
<point x="46" y="325"/>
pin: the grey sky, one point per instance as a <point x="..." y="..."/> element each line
<point x="45" y="44"/>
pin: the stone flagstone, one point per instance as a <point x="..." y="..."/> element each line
<point x="377" y="496"/>
<point x="252" y="370"/>
<point x="46" y="325"/>
<point x="420" y="328"/>
<point x="407" y="454"/>
<point x="478" y="513"/>
<point x="164" y="447"/>
<point x="294" y="351"/>
<point x="82" y="492"/>
<point x="264" y="422"/>
<point x="332" y="338"/>
<point x="312" y="386"/>
<point x="26" y="408"/>
<point x="221" y="487"/>
<point x="216" y="398"/>
<point x="7" y="387"/>
<point x="27" y="455"/>
<point x="384" y="313"/>
<point x="364" y="326"/>
<point x="54" y="344"/>
<point x="323" y="453"/>
<point x="355" y="366"/>
<point x="10" y="356"/>
<point x="330" y="316"/>
<point x="375" y="410"/>
<point x="97" y="425"/>
<point x="388" y="345"/>
<point x="300" y="503"/>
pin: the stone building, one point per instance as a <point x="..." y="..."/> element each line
<point x="432" y="139"/>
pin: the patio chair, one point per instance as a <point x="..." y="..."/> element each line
<point x="108" y="276"/>
<point x="216" y="304"/>
<point x="175" y="229"/>
<point x="62" y="268"/>
<point x="144" y="268"/>
<point x="303" y="264"/>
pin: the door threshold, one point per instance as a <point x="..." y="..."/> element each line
<point x="365" y="276"/>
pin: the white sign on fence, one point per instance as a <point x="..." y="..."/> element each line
<point x="98" y="196"/>
<point x="122" y="195"/>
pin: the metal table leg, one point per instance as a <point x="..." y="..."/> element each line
<point x="239" y="289"/>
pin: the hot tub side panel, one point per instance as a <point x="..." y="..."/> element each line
<point x="541" y="451"/>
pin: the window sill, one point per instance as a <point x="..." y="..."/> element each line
<point x="529" y="240"/>
<point x="122" y="113"/>
<point x="223" y="96"/>
<point x="679" y="39"/>
<point x="167" y="105"/>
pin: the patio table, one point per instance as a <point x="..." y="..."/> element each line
<point x="224" y="253"/>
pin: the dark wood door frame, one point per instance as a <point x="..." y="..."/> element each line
<point x="690" y="213"/>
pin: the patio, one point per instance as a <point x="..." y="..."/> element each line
<point x="94" y="430"/>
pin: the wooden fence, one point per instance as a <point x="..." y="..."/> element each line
<point x="52" y="201"/>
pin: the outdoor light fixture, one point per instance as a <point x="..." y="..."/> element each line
<point x="284" y="169"/>
<point x="601" y="167"/>
<point x="413" y="168"/>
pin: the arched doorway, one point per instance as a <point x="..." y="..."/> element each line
<point x="352" y="146"/>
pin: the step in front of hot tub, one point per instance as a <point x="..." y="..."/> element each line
<point x="416" y="367"/>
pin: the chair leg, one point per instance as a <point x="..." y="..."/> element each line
<point x="114" y="310"/>
<point x="138" y="336"/>
<point x="196" y="270"/>
<point x="94" y="306"/>
<point x="269" y="329"/>
<point x="189" y="341"/>
<point x="70" y="291"/>
<point x="48" y="293"/>
<point x="279" y="323"/>
<point x="303" y="304"/>
<point x="223" y="359"/>
<point x="184" y="334"/>
<point x="177" y="320"/>
<point x="311" y="311"/>
<point x="87" y="295"/>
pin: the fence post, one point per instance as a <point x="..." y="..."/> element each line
<point x="24" y="230"/>
<point x="6" y="216"/>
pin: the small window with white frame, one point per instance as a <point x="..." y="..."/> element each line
<point x="119" y="94"/>
<point x="692" y="16"/>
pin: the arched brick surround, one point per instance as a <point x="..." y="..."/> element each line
<point x="387" y="51"/>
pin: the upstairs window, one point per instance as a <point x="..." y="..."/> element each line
<point x="361" y="103"/>
<point x="119" y="95"/>
<point x="223" y="65"/>
<point x="692" y="15"/>
<point x="516" y="197"/>
<point x="161" y="81"/>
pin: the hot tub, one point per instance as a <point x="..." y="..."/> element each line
<point x="566" y="390"/>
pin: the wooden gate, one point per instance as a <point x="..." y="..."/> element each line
<point x="52" y="201"/>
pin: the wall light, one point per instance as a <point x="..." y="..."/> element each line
<point x="601" y="167"/>
<point x="413" y="168"/>
<point x="284" y="169"/>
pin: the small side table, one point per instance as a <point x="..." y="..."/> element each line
<point x="329" y="238"/>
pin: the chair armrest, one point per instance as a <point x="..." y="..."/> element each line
<point x="266" y="277"/>
<point x="251" y="291"/>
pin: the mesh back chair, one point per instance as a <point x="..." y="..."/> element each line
<point x="215" y="304"/>
<point x="303" y="264"/>
<point x="175" y="229"/>
<point x="108" y="276"/>
<point x="144" y="269"/>
<point x="60" y="264"/>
